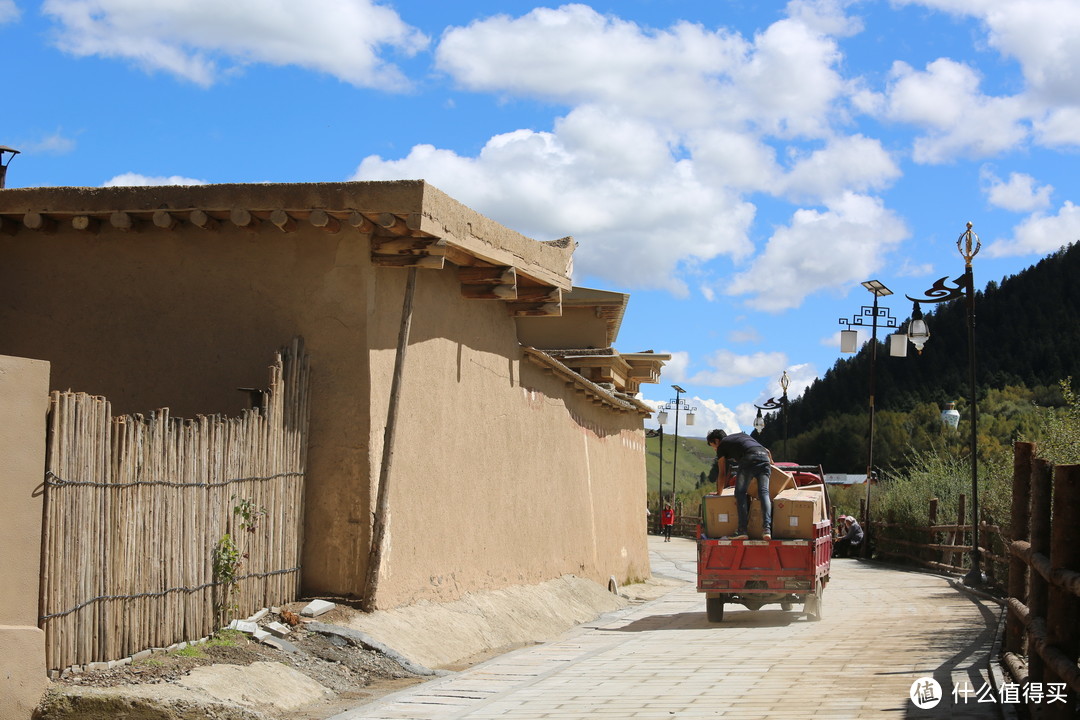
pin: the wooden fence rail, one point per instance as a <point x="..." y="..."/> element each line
<point x="135" y="505"/>
<point x="1043" y="623"/>
<point x="946" y="548"/>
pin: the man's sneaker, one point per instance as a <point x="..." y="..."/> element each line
<point x="767" y="536"/>
<point x="740" y="536"/>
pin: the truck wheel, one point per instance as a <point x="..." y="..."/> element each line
<point x="714" y="608"/>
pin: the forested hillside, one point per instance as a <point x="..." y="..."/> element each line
<point x="1027" y="339"/>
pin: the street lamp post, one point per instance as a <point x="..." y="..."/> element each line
<point x="869" y="315"/>
<point x="968" y="245"/>
<point x="661" y="417"/>
<point x="772" y="404"/>
<point x="677" y="404"/>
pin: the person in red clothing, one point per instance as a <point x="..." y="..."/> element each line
<point x="667" y="521"/>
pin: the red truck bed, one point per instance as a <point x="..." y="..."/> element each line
<point x="757" y="572"/>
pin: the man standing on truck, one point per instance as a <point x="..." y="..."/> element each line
<point x="755" y="463"/>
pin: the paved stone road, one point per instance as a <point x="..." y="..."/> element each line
<point x="882" y="630"/>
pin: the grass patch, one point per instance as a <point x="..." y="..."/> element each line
<point x="227" y="638"/>
<point x="189" y="651"/>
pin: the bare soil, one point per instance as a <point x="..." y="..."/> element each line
<point x="352" y="672"/>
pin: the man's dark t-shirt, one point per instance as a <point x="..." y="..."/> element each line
<point x="737" y="445"/>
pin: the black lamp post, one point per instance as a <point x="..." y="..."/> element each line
<point x="3" y="165"/>
<point x="964" y="286"/>
<point x="869" y="315"/>
<point x="772" y="404"/>
<point x="677" y="404"/>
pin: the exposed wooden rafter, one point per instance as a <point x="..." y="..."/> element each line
<point x="488" y="282"/>
<point x="397" y="239"/>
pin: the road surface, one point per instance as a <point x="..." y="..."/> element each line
<point x="883" y="630"/>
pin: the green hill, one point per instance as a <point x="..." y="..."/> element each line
<point x="695" y="457"/>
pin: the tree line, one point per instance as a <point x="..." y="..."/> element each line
<point x="1027" y="340"/>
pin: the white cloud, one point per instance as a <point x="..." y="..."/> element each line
<point x="729" y="369"/>
<point x="637" y="215"/>
<point x="1017" y="194"/>
<point x="744" y="336"/>
<point x="199" y="40"/>
<point x="825" y="16"/>
<point x="708" y="414"/>
<point x="55" y="143"/>
<point x="1041" y="234"/>
<point x="134" y="179"/>
<point x="947" y="102"/>
<point x="1059" y="127"/>
<point x="834" y="248"/>
<point x="9" y="11"/>
<point x="854" y="163"/>
<point x="1040" y="34"/>
<point x="675" y="369"/>
<point x="783" y="81"/>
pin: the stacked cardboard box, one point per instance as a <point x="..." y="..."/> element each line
<point x="796" y="511"/>
<point x="721" y="515"/>
<point x="778" y="482"/>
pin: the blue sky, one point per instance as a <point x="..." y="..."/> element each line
<point x="739" y="167"/>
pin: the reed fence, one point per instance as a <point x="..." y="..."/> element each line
<point x="1042" y="630"/>
<point x="135" y="505"/>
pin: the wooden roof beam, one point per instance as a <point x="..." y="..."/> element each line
<point x="283" y="220"/>
<point x="199" y="218"/>
<point x="530" y="309"/>
<point x="324" y="221"/>
<point x="428" y="262"/>
<point x="86" y="223"/>
<point x="488" y="283"/>
<point x="40" y="223"/>
<point x="242" y="218"/>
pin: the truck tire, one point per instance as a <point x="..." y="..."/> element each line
<point x="714" y="608"/>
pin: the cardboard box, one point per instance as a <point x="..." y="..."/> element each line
<point x="778" y="482"/>
<point x="721" y="515"/>
<point x="824" y="503"/>
<point x="795" y="512"/>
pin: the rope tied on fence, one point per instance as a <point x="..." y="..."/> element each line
<point x="52" y="480"/>
<point x="163" y="593"/>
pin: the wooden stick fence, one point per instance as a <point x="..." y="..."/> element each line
<point x="135" y="505"/>
<point x="1044" y="601"/>
<point x="946" y="548"/>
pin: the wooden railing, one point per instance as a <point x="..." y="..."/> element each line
<point x="945" y="547"/>
<point x="1042" y="631"/>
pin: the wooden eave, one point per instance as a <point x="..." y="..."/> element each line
<point x="608" y="306"/>
<point x="599" y="368"/>
<point x="408" y="223"/>
<point x="646" y="366"/>
<point x="594" y="392"/>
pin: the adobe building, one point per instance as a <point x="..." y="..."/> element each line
<point x="519" y="449"/>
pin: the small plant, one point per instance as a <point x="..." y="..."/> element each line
<point x="227" y="559"/>
<point x="190" y="651"/>
<point x="226" y="638"/>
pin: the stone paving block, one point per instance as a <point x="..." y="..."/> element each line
<point x="753" y="665"/>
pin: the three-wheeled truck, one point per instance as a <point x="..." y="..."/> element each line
<point x="754" y="573"/>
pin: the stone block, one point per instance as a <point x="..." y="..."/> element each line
<point x="315" y="608"/>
